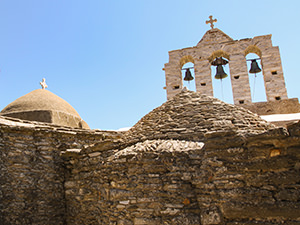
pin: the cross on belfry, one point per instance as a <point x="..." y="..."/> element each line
<point x="43" y="83"/>
<point x="211" y="21"/>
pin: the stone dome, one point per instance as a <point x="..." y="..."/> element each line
<point x="43" y="106"/>
<point x="195" y="117"/>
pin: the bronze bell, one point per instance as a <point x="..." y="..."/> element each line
<point x="254" y="67"/>
<point x="220" y="72"/>
<point x="188" y="75"/>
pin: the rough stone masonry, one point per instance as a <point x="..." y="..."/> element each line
<point x="215" y="43"/>
<point x="193" y="160"/>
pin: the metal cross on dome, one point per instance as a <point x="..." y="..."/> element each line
<point x="211" y="21"/>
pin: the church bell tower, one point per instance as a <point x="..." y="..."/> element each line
<point x="217" y="48"/>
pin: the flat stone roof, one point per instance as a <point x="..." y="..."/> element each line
<point x="281" y="117"/>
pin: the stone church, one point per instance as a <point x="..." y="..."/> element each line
<point x="193" y="160"/>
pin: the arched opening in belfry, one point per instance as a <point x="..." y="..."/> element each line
<point x="220" y="73"/>
<point x="256" y="78"/>
<point x="188" y="76"/>
<point x="188" y="72"/>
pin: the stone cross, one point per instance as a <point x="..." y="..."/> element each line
<point x="211" y="21"/>
<point x="43" y="83"/>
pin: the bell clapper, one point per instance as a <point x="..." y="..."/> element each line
<point x="254" y="87"/>
<point x="222" y="89"/>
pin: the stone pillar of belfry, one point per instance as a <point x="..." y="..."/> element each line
<point x="239" y="79"/>
<point x="203" y="79"/>
<point x="273" y="74"/>
<point x="173" y="79"/>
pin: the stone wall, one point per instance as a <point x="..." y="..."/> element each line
<point x="188" y="182"/>
<point x="32" y="172"/>
<point x="193" y="160"/>
<point x="226" y="166"/>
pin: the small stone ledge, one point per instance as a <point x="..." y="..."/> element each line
<point x="294" y="129"/>
<point x="284" y="106"/>
<point x="26" y="124"/>
<point x="113" y="142"/>
<point x="74" y="153"/>
<point x="276" y="137"/>
<point x="159" y="147"/>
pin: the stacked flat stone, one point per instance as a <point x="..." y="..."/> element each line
<point x="233" y="173"/>
<point x="196" y="117"/>
<point x="32" y="171"/>
<point x="186" y="182"/>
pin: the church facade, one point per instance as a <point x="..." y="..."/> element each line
<point x="192" y="160"/>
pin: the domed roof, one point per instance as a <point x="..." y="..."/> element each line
<point x="196" y="117"/>
<point x="43" y="106"/>
<point x="40" y="99"/>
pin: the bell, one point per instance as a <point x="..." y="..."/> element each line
<point x="254" y="67"/>
<point x="188" y="75"/>
<point x="220" y="72"/>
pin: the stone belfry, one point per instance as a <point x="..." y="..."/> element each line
<point x="215" y="43"/>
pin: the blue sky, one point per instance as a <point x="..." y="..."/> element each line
<point x="106" y="57"/>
